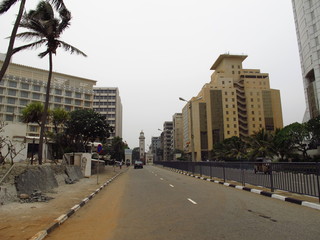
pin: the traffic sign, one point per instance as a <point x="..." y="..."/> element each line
<point x="99" y="148"/>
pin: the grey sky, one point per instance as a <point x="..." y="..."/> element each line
<point x="156" y="51"/>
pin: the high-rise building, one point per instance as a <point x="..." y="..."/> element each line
<point x="307" y="21"/>
<point x="156" y="148"/>
<point x="236" y="102"/>
<point x="22" y="85"/>
<point x="177" y="132"/>
<point x="167" y="140"/>
<point x="107" y="102"/>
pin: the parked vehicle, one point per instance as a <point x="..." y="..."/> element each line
<point x="262" y="165"/>
<point x="138" y="164"/>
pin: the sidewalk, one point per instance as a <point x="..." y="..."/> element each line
<point x="23" y="221"/>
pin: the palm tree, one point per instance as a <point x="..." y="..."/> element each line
<point x="32" y="113"/>
<point x="4" y="7"/>
<point x="46" y="29"/>
<point x="260" y="144"/>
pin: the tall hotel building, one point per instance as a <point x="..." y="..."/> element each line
<point x="107" y="102"/>
<point x="307" y="21"/>
<point x="22" y="85"/>
<point x="236" y="102"/>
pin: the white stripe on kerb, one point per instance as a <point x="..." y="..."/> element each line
<point x="192" y="201"/>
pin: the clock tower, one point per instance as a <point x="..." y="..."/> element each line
<point x="142" y="146"/>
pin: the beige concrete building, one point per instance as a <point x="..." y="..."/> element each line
<point x="236" y="102"/>
<point x="107" y="102"/>
<point x="23" y="84"/>
<point x="177" y="132"/>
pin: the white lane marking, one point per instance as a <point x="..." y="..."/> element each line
<point x="161" y="179"/>
<point x="171" y="185"/>
<point x="192" y="201"/>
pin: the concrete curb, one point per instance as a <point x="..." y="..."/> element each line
<point x="58" y="221"/>
<point x="257" y="191"/>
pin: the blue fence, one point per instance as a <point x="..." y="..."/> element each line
<point x="301" y="178"/>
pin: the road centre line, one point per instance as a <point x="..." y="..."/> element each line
<point x="191" y="201"/>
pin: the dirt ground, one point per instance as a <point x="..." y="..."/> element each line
<point x="24" y="220"/>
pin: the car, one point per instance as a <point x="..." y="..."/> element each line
<point x="138" y="164"/>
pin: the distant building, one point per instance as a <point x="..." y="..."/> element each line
<point x="236" y="102"/>
<point x="167" y="140"/>
<point x="156" y="148"/>
<point x="107" y="102"/>
<point x="307" y="21"/>
<point x="177" y="132"/>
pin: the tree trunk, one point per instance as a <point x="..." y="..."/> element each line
<point x="45" y="111"/>
<point x="12" y="39"/>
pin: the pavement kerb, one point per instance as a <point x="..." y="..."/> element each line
<point x="58" y="221"/>
<point x="256" y="191"/>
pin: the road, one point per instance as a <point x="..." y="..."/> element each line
<point x="155" y="204"/>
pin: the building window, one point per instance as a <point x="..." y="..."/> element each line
<point x="12" y="92"/>
<point x="78" y="95"/>
<point x="11" y="100"/>
<point x="67" y="101"/>
<point x="58" y="91"/>
<point x="77" y="102"/>
<point x="35" y="96"/>
<point x="57" y="99"/>
<point x="68" y="94"/>
<point x="33" y="129"/>
<point x="23" y="102"/>
<point x="87" y="96"/>
<point x="87" y="104"/>
<point x="36" y="88"/>
<point x="10" y="109"/>
<point x="12" y="84"/>
<point x="24" y="85"/>
<point x="9" y="118"/>
<point x="24" y="94"/>
<point x="67" y="108"/>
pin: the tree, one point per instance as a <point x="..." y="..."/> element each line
<point x="84" y="126"/>
<point x="44" y="27"/>
<point x="116" y="149"/>
<point x="4" y="7"/>
<point x="283" y="143"/>
<point x="260" y="145"/>
<point x="59" y="117"/>
<point x="313" y="126"/>
<point x="32" y="113"/>
<point x="231" y="148"/>
<point x="299" y="135"/>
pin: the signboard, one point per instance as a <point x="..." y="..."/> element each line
<point x="99" y="148"/>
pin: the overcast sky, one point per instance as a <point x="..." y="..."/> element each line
<point x="156" y="51"/>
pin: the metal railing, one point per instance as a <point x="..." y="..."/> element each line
<point x="301" y="178"/>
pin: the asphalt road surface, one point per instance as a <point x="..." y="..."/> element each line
<point x="156" y="204"/>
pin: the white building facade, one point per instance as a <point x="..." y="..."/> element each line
<point x="307" y="21"/>
<point x="107" y="102"/>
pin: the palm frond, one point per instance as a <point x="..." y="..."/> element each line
<point x="28" y="35"/>
<point x="58" y="4"/>
<point x="6" y="5"/>
<point x="72" y="49"/>
<point x="43" y="54"/>
<point x="29" y="46"/>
